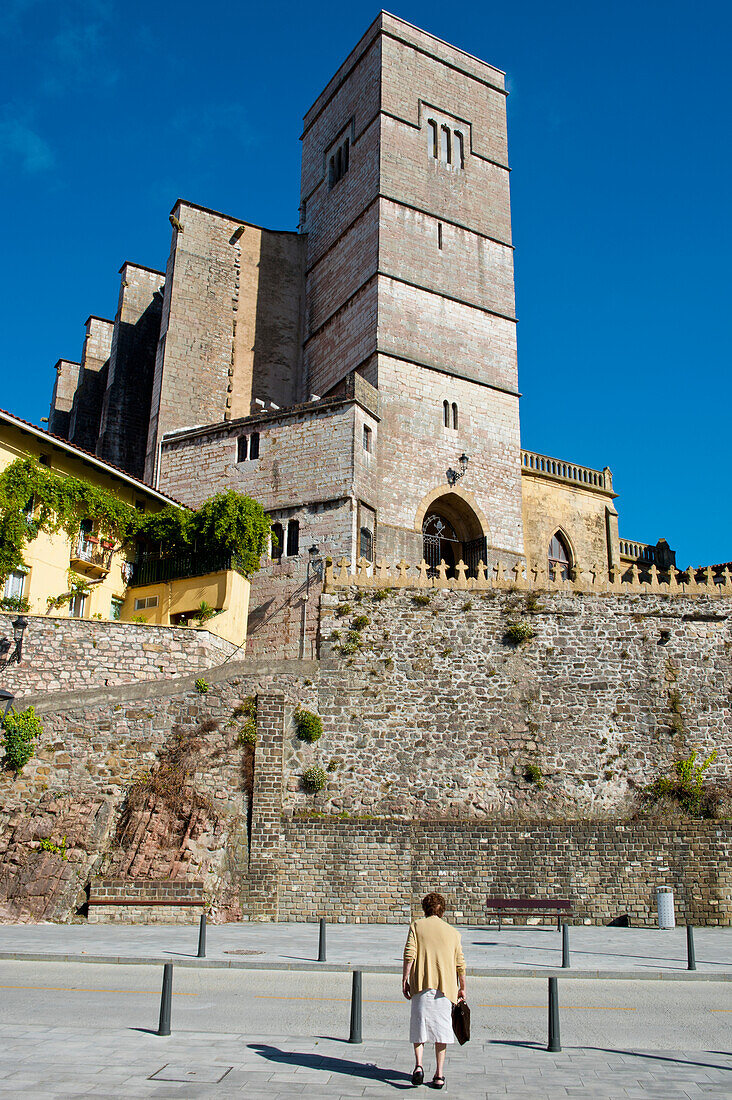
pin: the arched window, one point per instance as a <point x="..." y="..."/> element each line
<point x="446" y="144"/>
<point x="454" y="416"/>
<point x="366" y="544"/>
<point x="434" y="147"/>
<point x="459" y="150"/>
<point x="277" y="542"/>
<point x="560" y="556"/>
<point x="446" y="413"/>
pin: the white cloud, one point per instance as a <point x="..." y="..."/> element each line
<point x="22" y="148"/>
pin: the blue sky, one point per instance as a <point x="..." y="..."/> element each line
<point x="619" y="123"/>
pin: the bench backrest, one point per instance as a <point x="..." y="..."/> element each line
<point x="530" y="903"/>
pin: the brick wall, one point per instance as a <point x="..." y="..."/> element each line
<point x="377" y="872"/>
<point x="62" y="654"/>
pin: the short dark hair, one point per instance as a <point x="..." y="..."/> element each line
<point x="434" y="905"/>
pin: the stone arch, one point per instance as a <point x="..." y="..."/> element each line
<point x="565" y="541"/>
<point x="453" y="529"/>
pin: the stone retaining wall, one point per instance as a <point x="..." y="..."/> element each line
<point x="146" y="901"/>
<point x="62" y="654"/>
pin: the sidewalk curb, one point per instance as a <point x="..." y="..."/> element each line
<point x="367" y="968"/>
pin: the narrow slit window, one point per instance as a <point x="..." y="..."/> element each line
<point x="446" y="144"/>
<point x="242" y="448"/>
<point x="366" y="544"/>
<point x="276" y="541"/>
<point x="293" y="538"/>
<point x="459" y="150"/>
<point x="439" y="235"/>
<point x="367" y="438"/>
<point x="254" y="445"/>
<point x="454" y="416"/>
<point x="338" y="163"/>
<point x="446" y="413"/>
<point x="434" y="143"/>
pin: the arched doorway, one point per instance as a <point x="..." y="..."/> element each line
<point x="451" y="532"/>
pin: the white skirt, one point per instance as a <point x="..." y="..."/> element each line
<point x="430" y="1020"/>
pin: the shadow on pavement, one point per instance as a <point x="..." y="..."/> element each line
<point x="393" y="1077"/>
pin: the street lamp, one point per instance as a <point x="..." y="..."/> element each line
<point x="315" y="566"/>
<point x="6" y="697"/>
<point x="19" y="627"/>
<point x="453" y="475"/>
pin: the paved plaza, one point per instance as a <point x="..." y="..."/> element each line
<point x="633" y="952"/>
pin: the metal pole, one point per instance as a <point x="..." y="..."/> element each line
<point x="164" y="1025"/>
<point x="690" y="955"/>
<point x="554" y="1043"/>
<point x="321" y="941"/>
<point x="202" y="937"/>
<point x="355" y="1034"/>
<point x="565" y="946"/>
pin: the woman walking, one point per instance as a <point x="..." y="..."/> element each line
<point x="433" y="979"/>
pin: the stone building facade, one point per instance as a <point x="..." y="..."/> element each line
<point x="358" y="376"/>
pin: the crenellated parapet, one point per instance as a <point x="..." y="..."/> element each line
<point x="530" y="578"/>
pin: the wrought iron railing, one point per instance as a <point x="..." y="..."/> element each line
<point x="149" y="570"/>
<point x="92" y="553"/>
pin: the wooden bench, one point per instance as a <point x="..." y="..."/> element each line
<point x="524" y="907"/>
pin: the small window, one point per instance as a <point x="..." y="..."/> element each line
<point x="254" y="445"/>
<point x="115" y="609"/>
<point x="146" y="601"/>
<point x="446" y="144"/>
<point x="77" y="606"/>
<point x="367" y="438"/>
<point x="454" y="416"/>
<point x="366" y="544"/>
<point x="434" y="144"/>
<point x="242" y="448"/>
<point x="459" y="150"/>
<point x="439" y="235"/>
<point x="276" y="541"/>
<point x="14" y="585"/>
<point x="446" y="413"/>
<point x="338" y="163"/>
<point x="559" y="555"/>
<point x="293" y="538"/>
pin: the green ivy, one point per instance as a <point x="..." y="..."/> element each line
<point x="21" y="730"/>
<point x="49" y="845"/>
<point x="309" y="725"/>
<point x="687" y="787"/>
<point x="227" y="524"/>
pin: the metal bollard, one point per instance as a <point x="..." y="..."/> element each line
<point x="565" y="946"/>
<point x="690" y="954"/>
<point x="355" y="1034"/>
<point x="554" y="1044"/>
<point x="202" y="937"/>
<point x="164" y="1024"/>
<point x="321" y="941"/>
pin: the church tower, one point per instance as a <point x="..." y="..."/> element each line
<point x="409" y="283"/>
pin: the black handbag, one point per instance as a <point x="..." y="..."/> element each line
<point x="461" y="1021"/>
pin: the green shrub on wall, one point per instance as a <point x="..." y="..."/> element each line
<point x="314" y="779"/>
<point x="687" y="788"/>
<point x="247" y="734"/>
<point x="21" y="730"/>
<point x="309" y="725"/>
<point x="519" y="632"/>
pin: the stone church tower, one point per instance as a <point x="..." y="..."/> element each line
<point x="409" y="281"/>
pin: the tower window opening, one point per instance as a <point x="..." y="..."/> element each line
<point x="338" y="163"/>
<point x="366" y="544"/>
<point x="367" y="438"/>
<point x="446" y="413"/>
<point x="293" y="538"/>
<point x="459" y="150"/>
<point x="454" y="416"/>
<point x="446" y="144"/>
<point x="276" y="541"/>
<point x="434" y="143"/>
<point x="247" y="447"/>
<point x="439" y="235"/>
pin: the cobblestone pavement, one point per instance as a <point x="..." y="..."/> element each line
<point x="636" y="952"/>
<point x="38" y="1062"/>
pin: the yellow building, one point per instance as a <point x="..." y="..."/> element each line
<point x="166" y="592"/>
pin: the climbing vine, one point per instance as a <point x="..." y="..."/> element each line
<point x="34" y="498"/>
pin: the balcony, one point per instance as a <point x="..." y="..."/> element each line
<point x="154" y="570"/>
<point x="91" y="557"/>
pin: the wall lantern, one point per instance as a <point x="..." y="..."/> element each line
<point x="19" y="627"/>
<point x="454" y="475"/>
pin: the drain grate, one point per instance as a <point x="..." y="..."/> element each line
<point x="206" y="1075"/>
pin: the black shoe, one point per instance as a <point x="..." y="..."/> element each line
<point x="418" y="1075"/>
<point x="438" y="1082"/>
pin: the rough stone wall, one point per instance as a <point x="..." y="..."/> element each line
<point x="64" y="654"/>
<point x="86" y="411"/>
<point x="126" y="406"/>
<point x="378" y="871"/>
<point x="96" y="745"/>
<point x="62" y="399"/>
<point x="232" y="310"/>
<point x="434" y="712"/>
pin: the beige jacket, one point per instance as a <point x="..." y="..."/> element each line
<point x="433" y="947"/>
